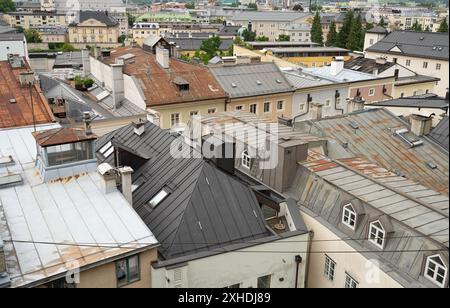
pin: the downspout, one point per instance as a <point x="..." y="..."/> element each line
<point x="311" y="236"/>
<point x="298" y="260"/>
<point x="308" y="101"/>
<point x="384" y="92"/>
<point x="336" y="96"/>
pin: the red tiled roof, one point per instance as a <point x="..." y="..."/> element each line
<point x="61" y="136"/>
<point x="158" y="84"/>
<point x="19" y="113"/>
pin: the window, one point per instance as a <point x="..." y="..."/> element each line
<point x="193" y="113"/>
<point x="349" y="216"/>
<point x="371" y="92"/>
<point x="174" y="119"/>
<point x="107" y="150"/>
<point x="338" y="101"/>
<point x="280" y="105"/>
<point x="302" y="107"/>
<point x="327" y="103"/>
<point x="253" y="108"/>
<point x="330" y="266"/>
<point x="350" y="283"/>
<point x="127" y="270"/>
<point x="425" y="64"/>
<point x="377" y="234"/>
<point x="267" y="107"/>
<point x="435" y="270"/>
<point x="212" y="110"/>
<point x="408" y="62"/>
<point x="402" y="94"/>
<point x="371" y="42"/>
<point x="72" y="152"/>
<point x="264" y="282"/>
<point x="246" y="159"/>
<point x="438" y="66"/>
<point x="238" y="108"/>
<point x="158" y="198"/>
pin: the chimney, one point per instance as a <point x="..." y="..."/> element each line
<point x="396" y="73"/>
<point x="118" y="87"/>
<point x="127" y="192"/>
<point x="316" y="111"/>
<point x="421" y="125"/>
<point x="26" y="78"/>
<point x="108" y="175"/>
<point x="337" y="65"/>
<point x="162" y="57"/>
<point x="86" y="62"/>
<point x="87" y="123"/>
<point x="357" y="103"/>
<point x="380" y="60"/>
<point x="97" y="52"/>
<point x="139" y="128"/>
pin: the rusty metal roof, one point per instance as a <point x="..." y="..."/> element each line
<point x="61" y="136"/>
<point x="374" y="140"/>
<point x="19" y="113"/>
<point x="158" y="84"/>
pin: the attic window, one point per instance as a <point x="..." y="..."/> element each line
<point x="349" y="216"/>
<point x="435" y="270"/>
<point x="377" y="234"/>
<point x="408" y="137"/>
<point x="181" y="83"/>
<point x="158" y="198"/>
<point x="107" y="150"/>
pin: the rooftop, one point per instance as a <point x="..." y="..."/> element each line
<point x="52" y="227"/>
<point x="244" y="80"/>
<point x="97" y="15"/>
<point x="308" y="49"/>
<point x="157" y="83"/>
<point x="419" y="101"/>
<point x="430" y="45"/>
<point x="254" y="16"/>
<point x="369" y="134"/>
<point x="203" y="209"/>
<point x="378" y="30"/>
<point x="15" y="106"/>
<point x="366" y="65"/>
<point x="345" y="75"/>
<point x="440" y="134"/>
<point x="194" y="43"/>
<point x="12" y="36"/>
<point x="61" y="136"/>
<point x="300" y="80"/>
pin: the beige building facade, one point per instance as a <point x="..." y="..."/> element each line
<point x="94" y="28"/>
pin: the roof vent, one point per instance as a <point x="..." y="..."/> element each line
<point x="233" y="85"/>
<point x="12" y="101"/>
<point x="422" y="38"/>
<point x="278" y="81"/>
<point x="354" y="125"/>
<point x="6" y="161"/>
<point x="431" y="165"/>
<point x="258" y="82"/>
<point x="10" y="180"/>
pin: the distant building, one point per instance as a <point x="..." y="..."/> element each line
<point x="13" y="43"/>
<point x="53" y="34"/>
<point x="425" y="53"/>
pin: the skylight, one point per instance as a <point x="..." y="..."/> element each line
<point x="158" y="198"/>
<point x="107" y="150"/>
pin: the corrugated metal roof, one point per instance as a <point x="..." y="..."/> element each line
<point x="345" y="75"/>
<point x="60" y="225"/>
<point x="440" y="134"/>
<point x="299" y="80"/>
<point x="417" y="216"/>
<point x="269" y="16"/>
<point x="205" y="208"/>
<point x="374" y="140"/>
<point x="421" y="101"/>
<point x="251" y="79"/>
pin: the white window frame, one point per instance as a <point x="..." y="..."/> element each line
<point x="438" y="266"/>
<point x="173" y="117"/>
<point x="330" y="268"/>
<point x="212" y="110"/>
<point x="256" y="108"/>
<point x="371" y="91"/>
<point x="425" y="64"/>
<point x="438" y="66"/>
<point x="246" y="160"/>
<point x="239" y="108"/>
<point x="194" y="113"/>
<point x="377" y="233"/>
<point x="350" y="282"/>
<point x="282" y="105"/>
<point x="348" y="209"/>
<point x="270" y="107"/>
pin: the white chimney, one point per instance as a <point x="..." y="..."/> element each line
<point x="118" y="86"/>
<point x="162" y="57"/>
<point x="337" y="65"/>
<point x="380" y="60"/>
<point x="86" y="59"/>
<point x="87" y="123"/>
<point x="357" y="103"/>
<point x="316" y="111"/>
<point x="421" y="125"/>
<point x="139" y="128"/>
<point x="108" y="176"/>
<point x="127" y="191"/>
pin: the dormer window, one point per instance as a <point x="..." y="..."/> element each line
<point x="246" y="159"/>
<point x="377" y="234"/>
<point x="435" y="270"/>
<point x="349" y="216"/>
<point x="181" y="83"/>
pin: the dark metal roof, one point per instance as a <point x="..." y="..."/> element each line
<point x="378" y="30"/>
<point x="431" y="45"/>
<point x="367" y="65"/>
<point x="99" y="16"/>
<point x="205" y="209"/>
<point x="418" y="101"/>
<point x="440" y="134"/>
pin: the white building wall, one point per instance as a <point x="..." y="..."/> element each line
<point x="14" y="47"/>
<point x="102" y="72"/>
<point x="417" y="66"/>
<point x="241" y="267"/>
<point x="133" y="93"/>
<point x="326" y="243"/>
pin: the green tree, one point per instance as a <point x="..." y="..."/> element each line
<point x="356" y="38"/>
<point x="284" y="38"/>
<point x="345" y="30"/>
<point x="210" y="47"/>
<point x="252" y="6"/>
<point x="66" y="47"/>
<point x="131" y="20"/>
<point x="443" y="27"/>
<point x="316" y="30"/>
<point x="428" y="29"/>
<point x="262" y="38"/>
<point x="238" y="41"/>
<point x="368" y="26"/>
<point x="382" y="23"/>
<point x="416" y="27"/>
<point x="332" y="36"/>
<point x="7" y="6"/>
<point x="190" y="5"/>
<point x="32" y="36"/>
<point x="122" y="39"/>
<point x="249" y="36"/>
